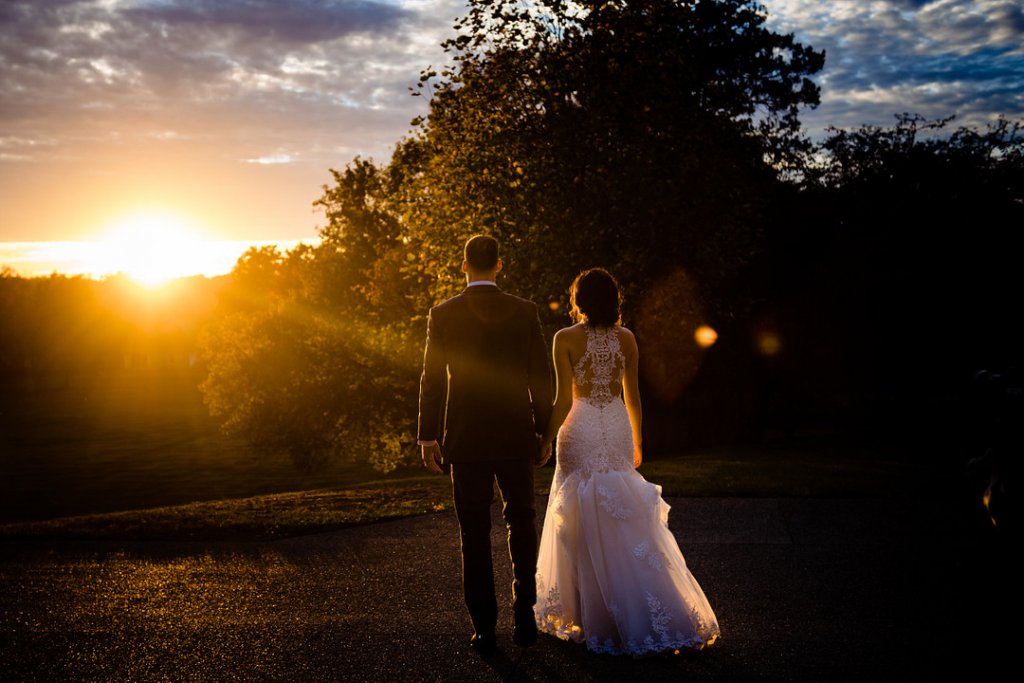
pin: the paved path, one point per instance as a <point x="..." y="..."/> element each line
<point x="804" y="589"/>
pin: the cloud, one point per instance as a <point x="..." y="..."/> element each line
<point x="272" y="159"/>
<point x="935" y="58"/>
<point x="315" y="77"/>
<point x="256" y="73"/>
<point x="270" y="21"/>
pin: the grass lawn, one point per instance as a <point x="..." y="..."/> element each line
<point x="136" y="456"/>
<point x="766" y="473"/>
<point x="132" y="440"/>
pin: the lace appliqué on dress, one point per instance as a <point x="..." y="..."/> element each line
<point x="655" y="559"/>
<point x="600" y="367"/>
<point x="596" y="435"/>
<point x="658" y="641"/>
<point x="612" y="502"/>
<point x="550" y="619"/>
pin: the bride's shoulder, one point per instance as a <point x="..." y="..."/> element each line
<point x="626" y="338"/>
<point x="571" y="331"/>
<point x="571" y="335"/>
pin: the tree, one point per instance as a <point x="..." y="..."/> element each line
<point x="892" y="274"/>
<point x="643" y="136"/>
<point x="935" y="214"/>
<point x="313" y="355"/>
<point x="636" y="135"/>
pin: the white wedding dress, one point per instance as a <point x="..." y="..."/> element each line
<point x="609" y="572"/>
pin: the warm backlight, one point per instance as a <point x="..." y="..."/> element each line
<point x="153" y="248"/>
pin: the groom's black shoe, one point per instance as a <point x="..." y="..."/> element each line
<point x="524" y="628"/>
<point x="484" y="643"/>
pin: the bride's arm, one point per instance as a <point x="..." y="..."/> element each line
<point x="631" y="393"/>
<point x="563" y="386"/>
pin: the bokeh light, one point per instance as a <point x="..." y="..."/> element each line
<point x="769" y="343"/>
<point x="705" y="336"/>
<point x="669" y="316"/>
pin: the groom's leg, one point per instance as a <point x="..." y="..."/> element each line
<point x="515" y="480"/>
<point x="473" y="491"/>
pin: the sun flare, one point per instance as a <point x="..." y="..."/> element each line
<point x="152" y="248"/>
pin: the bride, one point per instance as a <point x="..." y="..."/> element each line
<point x="609" y="572"/>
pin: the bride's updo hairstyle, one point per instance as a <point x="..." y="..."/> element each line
<point x="594" y="298"/>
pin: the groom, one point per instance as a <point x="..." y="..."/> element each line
<point x="485" y="393"/>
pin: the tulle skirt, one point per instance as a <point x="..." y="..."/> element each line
<point x="610" y="573"/>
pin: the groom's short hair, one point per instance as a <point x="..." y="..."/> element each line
<point x="482" y="252"/>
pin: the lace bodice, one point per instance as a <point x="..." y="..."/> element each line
<point x="597" y="375"/>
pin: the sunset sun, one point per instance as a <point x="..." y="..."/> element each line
<point x="152" y="248"/>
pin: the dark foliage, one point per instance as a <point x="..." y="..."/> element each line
<point x="890" y="276"/>
<point x="852" y="284"/>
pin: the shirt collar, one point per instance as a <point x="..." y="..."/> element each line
<point x="482" y="282"/>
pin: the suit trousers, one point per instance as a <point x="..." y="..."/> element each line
<point x="473" y="489"/>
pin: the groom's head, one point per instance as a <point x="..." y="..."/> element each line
<point x="481" y="258"/>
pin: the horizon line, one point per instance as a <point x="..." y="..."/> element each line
<point x="79" y="258"/>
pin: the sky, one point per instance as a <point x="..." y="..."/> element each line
<point x="223" y="117"/>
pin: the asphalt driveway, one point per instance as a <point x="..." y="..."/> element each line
<point x="804" y="589"/>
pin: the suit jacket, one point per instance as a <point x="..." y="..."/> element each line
<point x="485" y="391"/>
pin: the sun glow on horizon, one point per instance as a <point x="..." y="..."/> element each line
<point x="103" y="257"/>
<point x="152" y="248"/>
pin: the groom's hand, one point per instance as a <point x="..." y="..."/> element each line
<point x="432" y="457"/>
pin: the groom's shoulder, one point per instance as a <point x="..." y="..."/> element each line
<point x="448" y="304"/>
<point x="520" y="301"/>
<point x="462" y="299"/>
<point x="493" y="305"/>
<point x="525" y="310"/>
<point x="450" y="309"/>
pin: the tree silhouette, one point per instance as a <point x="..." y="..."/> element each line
<point x="643" y="136"/>
<point x="313" y="355"/>
<point x="890" y="274"/>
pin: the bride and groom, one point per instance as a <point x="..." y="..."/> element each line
<point x="606" y="571"/>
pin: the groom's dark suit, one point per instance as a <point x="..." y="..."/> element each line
<point x="485" y="394"/>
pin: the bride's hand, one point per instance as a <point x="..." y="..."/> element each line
<point x="544" y="455"/>
<point x="638" y="456"/>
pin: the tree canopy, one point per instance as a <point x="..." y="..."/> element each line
<point x="660" y="139"/>
<point x="643" y="135"/>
